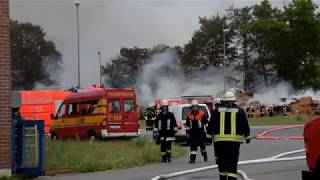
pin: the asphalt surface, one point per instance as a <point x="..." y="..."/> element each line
<point x="255" y="150"/>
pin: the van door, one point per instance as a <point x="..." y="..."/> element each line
<point x="114" y="123"/>
<point x="130" y="116"/>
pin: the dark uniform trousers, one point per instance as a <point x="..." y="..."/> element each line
<point x="227" y="154"/>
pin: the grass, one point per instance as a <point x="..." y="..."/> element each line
<point x="80" y="156"/>
<point x="12" y="178"/>
<point x="280" y="120"/>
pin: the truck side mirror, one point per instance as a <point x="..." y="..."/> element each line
<point x="52" y="116"/>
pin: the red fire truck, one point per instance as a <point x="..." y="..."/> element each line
<point x="312" y="146"/>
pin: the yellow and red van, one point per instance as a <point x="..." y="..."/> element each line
<point x="97" y="113"/>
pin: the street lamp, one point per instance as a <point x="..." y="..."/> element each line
<point x="99" y="54"/>
<point x="77" y="4"/>
<point x="224" y="59"/>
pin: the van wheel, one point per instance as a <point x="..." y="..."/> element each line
<point x="91" y="135"/>
<point x="54" y="136"/>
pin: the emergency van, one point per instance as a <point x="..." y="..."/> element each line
<point x="40" y="104"/>
<point x="97" y="113"/>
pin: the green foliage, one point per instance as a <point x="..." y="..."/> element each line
<point x="123" y="70"/>
<point x="31" y="55"/>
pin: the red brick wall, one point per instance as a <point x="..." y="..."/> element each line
<point x="5" y="87"/>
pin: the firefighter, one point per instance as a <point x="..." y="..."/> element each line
<point x="150" y="116"/>
<point x="229" y="127"/>
<point x="165" y="128"/>
<point x="196" y="126"/>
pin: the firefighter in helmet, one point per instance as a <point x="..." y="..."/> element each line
<point x="165" y="128"/>
<point x="229" y="127"/>
<point x="150" y="116"/>
<point x="196" y="129"/>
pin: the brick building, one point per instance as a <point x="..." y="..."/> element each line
<point x="5" y="90"/>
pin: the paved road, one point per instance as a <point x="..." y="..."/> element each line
<point x="256" y="149"/>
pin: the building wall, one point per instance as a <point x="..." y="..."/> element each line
<point x="5" y="90"/>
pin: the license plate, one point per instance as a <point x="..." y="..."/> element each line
<point x="115" y="127"/>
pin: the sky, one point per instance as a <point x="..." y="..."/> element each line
<point x="108" y="25"/>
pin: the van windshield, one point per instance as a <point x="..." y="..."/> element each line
<point x="186" y="110"/>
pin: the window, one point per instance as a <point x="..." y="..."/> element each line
<point x="74" y="109"/>
<point x="128" y="105"/>
<point x="88" y="107"/>
<point x="114" y="105"/>
<point x="62" y="111"/>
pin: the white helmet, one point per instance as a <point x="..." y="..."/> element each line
<point x="152" y="104"/>
<point x="229" y="96"/>
<point x="194" y="102"/>
<point x="165" y="102"/>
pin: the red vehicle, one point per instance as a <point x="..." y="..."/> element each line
<point x="312" y="145"/>
<point x="39" y="104"/>
<point x="97" y="113"/>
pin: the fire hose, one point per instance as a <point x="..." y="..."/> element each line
<point x="277" y="158"/>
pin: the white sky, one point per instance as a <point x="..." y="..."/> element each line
<point x="108" y="25"/>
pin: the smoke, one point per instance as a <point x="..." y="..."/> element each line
<point x="272" y="95"/>
<point x="162" y="77"/>
<point x="53" y="67"/>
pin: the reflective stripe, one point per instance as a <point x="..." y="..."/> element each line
<point x="159" y="125"/>
<point x="170" y="139"/>
<point x="199" y="124"/>
<point x="168" y="151"/>
<point x="232" y="175"/>
<point x="193" y="152"/>
<point x="187" y="128"/>
<point x="163" y="153"/>
<point x="223" y="174"/>
<point x="233" y="123"/>
<point x="168" y="124"/>
<point x="162" y="138"/>
<point x="222" y="122"/>
<point x="155" y="129"/>
<point x="228" y="137"/>
<point x="228" y="110"/>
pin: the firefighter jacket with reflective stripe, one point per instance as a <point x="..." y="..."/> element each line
<point x="196" y="121"/>
<point x="229" y="124"/>
<point x="165" y="124"/>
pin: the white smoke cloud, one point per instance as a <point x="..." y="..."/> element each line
<point x="163" y="78"/>
<point x="272" y="95"/>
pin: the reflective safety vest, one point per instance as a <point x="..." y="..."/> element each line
<point x="195" y="120"/>
<point x="228" y="133"/>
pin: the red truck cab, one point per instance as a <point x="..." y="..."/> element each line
<point x="312" y="146"/>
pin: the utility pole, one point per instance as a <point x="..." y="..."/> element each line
<point x="77" y="4"/>
<point x="99" y="54"/>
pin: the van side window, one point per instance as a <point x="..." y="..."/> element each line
<point x="114" y="105"/>
<point x="62" y="111"/>
<point x="88" y="107"/>
<point x="74" y="109"/>
<point x="128" y="105"/>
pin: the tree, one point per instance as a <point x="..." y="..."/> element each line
<point x="31" y="52"/>
<point x="298" y="53"/>
<point x="123" y="70"/>
<point x="206" y="45"/>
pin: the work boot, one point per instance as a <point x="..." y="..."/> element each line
<point x="192" y="158"/>
<point x="169" y="157"/>
<point x="164" y="158"/>
<point x="205" y="156"/>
